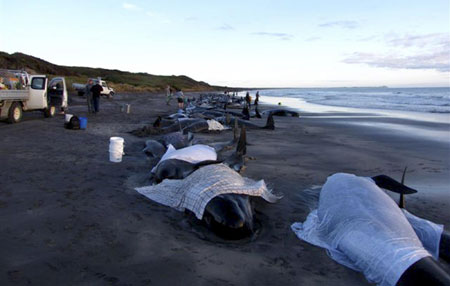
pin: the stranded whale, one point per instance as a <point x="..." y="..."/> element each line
<point x="363" y="228"/>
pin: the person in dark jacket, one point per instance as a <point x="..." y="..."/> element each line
<point x="248" y="99"/>
<point x="96" y="90"/>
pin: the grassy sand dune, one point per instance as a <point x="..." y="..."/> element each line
<point x="121" y="81"/>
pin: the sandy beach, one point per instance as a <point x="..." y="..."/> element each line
<point x="70" y="217"/>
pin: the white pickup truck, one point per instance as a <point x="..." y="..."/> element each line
<point x="108" y="91"/>
<point x="39" y="94"/>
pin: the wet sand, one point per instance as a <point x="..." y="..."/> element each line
<point x="70" y="217"/>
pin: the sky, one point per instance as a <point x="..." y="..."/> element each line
<point x="265" y="43"/>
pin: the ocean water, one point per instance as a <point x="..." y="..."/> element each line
<point x="427" y="104"/>
<point x="433" y="100"/>
<point x="426" y="112"/>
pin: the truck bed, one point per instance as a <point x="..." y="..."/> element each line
<point x="14" y="94"/>
<point x="79" y="86"/>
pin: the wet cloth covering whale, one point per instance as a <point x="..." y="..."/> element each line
<point x="362" y="228"/>
<point x="215" y="125"/>
<point x="195" y="191"/>
<point x="192" y="154"/>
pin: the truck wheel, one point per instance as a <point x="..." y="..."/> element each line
<point x="110" y="95"/>
<point x="15" y="113"/>
<point x="50" y="112"/>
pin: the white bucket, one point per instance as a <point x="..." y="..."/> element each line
<point x="67" y="117"/>
<point x="116" y="149"/>
<point x="116" y="140"/>
<point x="115" y="157"/>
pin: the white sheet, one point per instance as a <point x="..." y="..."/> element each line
<point x="192" y="154"/>
<point x="215" y="125"/>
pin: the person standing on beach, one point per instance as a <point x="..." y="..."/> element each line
<point x="88" y="93"/>
<point x="248" y="99"/>
<point x="168" y="94"/>
<point x="256" y="99"/>
<point x="96" y="91"/>
<point x="180" y="98"/>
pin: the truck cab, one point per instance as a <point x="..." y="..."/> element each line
<point x="57" y="93"/>
<point x="39" y="95"/>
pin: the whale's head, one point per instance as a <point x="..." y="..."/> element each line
<point x="230" y="216"/>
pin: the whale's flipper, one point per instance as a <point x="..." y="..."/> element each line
<point x="392" y="185"/>
<point x="270" y="124"/>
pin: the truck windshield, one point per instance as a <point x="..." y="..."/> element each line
<point x="38" y="83"/>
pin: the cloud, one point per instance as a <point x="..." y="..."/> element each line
<point x="429" y="51"/>
<point x="438" y="60"/>
<point x="129" y="6"/>
<point x="280" y="36"/>
<point x="225" y="27"/>
<point x="158" y="17"/>
<point x="340" y="24"/>
<point x="435" y="39"/>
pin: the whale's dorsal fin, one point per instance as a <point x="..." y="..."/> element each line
<point x="190" y="137"/>
<point x="401" y="202"/>
<point x="241" y="147"/>
<point x="235" y="129"/>
<point x="270" y="124"/>
<point x="258" y="115"/>
<point x="179" y="124"/>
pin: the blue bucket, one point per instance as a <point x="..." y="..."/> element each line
<point x="83" y="122"/>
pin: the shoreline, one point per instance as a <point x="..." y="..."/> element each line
<point x="314" y="108"/>
<point x="69" y="215"/>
